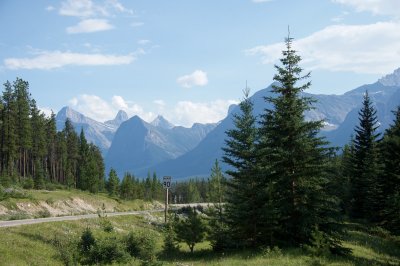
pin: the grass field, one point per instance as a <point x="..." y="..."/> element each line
<point x="46" y="244"/>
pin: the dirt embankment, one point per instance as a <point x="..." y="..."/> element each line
<point x="74" y="205"/>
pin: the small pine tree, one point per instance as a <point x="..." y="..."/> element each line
<point x="112" y="183"/>
<point x="190" y="230"/>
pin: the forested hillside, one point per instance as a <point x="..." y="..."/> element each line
<point x="33" y="153"/>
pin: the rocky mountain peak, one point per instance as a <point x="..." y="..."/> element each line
<point x="392" y="79"/>
<point x="161" y="122"/>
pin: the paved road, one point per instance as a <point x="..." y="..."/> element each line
<point x="71" y="218"/>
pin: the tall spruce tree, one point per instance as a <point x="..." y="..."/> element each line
<point x="244" y="194"/>
<point x="390" y="157"/>
<point x="365" y="188"/>
<point x="8" y="133"/>
<point x="23" y="124"/>
<point x="295" y="159"/>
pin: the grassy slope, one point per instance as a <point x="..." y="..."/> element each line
<point x="40" y="245"/>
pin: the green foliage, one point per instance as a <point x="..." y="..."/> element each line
<point x="87" y="241"/>
<point x="218" y="233"/>
<point x="28" y="183"/>
<point x="190" y="230"/>
<point x="170" y="245"/>
<point x="365" y="187"/>
<point x="319" y="244"/>
<point x="112" y="183"/>
<point x="245" y="189"/>
<point x="30" y="146"/>
<point x="390" y="182"/>
<point x="141" y="245"/>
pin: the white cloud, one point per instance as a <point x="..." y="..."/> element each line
<point x="184" y="113"/>
<point x="90" y="25"/>
<point x="197" y="78"/>
<point x="57" y="59"/>
<point x="101" y="110"/>
<point x="377" y="7"/>
<point x="50" y="8"/>
<point x="92" y="106"/>
<point x="373" y="48"/>
<point x="46" y="111"/>
<point x="118" y="6"/>
<point x="87" y="8"/>
<point x="187" y="112"/>
<point x="78" y="8"/>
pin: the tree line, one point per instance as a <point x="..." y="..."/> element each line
<point x="34" y="154"/>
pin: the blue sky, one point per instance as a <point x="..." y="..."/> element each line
<point x="188" y="59"/>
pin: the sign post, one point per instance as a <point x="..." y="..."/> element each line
<point x="166" y="186"/>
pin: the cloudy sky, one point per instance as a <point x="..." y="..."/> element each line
<point x="188" y="59"/>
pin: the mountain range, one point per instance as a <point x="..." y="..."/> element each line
<point x="139" y="147"/>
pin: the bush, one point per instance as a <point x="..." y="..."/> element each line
<point x="170" y="245"/>
<point x="190" y="230"/>
<point x="87" y="241"/>
<point x="27" y="183"/>
<point x="141" y="245"/>
<point x="319" y="244"/>
<point x="103" y="250"/>
<point x="107" y="250"/>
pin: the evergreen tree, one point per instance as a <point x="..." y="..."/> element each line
<point x="8" y="133"/>
<point x="190" y="230"/>
<point x="365" y="188"/>
<point x="294" y="160"/>
<point x="217" y="221"/>
<point x="390" y="157"/>
<point x="39" y="145"/>
<point x="244" y="194"/>
<point x="112" y="183"/>
<point x="84" y="171"/>
<point x="23" y="125"/>
<point x="127" y="187"/>
<point x="72" y="145"/>
<point x="51" y="136"/>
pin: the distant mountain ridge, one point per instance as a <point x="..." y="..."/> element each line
<point x="137" y="145"/>
<point x="340" y="113"/>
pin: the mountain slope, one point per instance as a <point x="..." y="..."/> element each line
<point x="340" y="113"/>
<point x="137" y="144"/>
<point x="100" y="134"/>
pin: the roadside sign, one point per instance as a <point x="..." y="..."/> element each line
<point x="167" y="182"/>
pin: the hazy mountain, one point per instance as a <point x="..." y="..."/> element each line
<point x="340" y="113"/>
<point x="161" y="122"/>
<point x="100" y="134"/>
<point x="121" y="117"/>
<point x="137" y="144"/>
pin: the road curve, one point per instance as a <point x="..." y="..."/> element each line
<point x="70" y="218"/>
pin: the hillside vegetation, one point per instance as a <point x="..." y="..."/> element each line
<point x="54" y="244"/>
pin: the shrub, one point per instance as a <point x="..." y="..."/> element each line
<point x="170" y="245"/>
<point x="141" y="245"/>
<point x="27" y="183"/>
